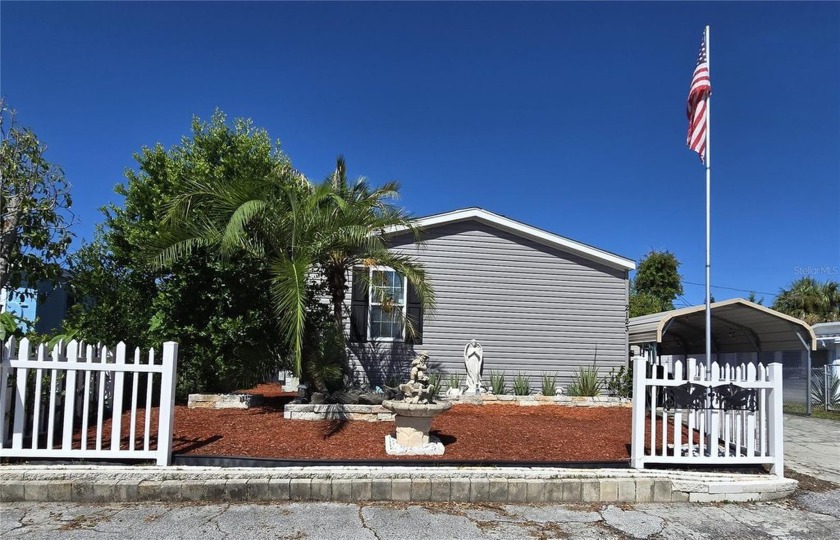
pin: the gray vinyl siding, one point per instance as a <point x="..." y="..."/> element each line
<point x="533" y="308"/>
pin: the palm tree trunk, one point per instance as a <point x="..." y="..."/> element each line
<point x="337" y="284"/>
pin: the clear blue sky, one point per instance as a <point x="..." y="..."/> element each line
<point x="567" y="116"/>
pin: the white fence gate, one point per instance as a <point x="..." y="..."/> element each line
<point x="50" y="401"/>
<point x="731" y="416"/>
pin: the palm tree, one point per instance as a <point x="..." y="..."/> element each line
<point x="365" y="214"/>
<point x="306" y="233"/>
<point x="810" y="300"/>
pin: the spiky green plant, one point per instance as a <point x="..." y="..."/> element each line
<point x="454" y="381"/>
<point x="549" y="384"/>
<point x="522" y="385"/>
<point x="434" y="383"/>
<point x="826" y="393"/>
<point x="497" y="382"/>
<point x="586" y="382"/>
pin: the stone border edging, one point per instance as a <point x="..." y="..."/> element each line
<point x="378" y="413"/>
<point x="536" y="400"/>
<point x="223" y="401"/>
<point x="365" y="413"/>
<point x="347" y="484"/>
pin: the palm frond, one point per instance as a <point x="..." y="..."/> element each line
<point x="289" y="296"/>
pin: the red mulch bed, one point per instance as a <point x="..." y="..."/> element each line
<point x="469" y="432"/>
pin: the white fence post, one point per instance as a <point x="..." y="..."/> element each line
<point x="70" y="396"/>
<point x="20" y="397"/>
<point x="166" y="411"/>
<point x="776" y="420"/>
<point x="5" y="392"/>
<point x="637" y="443"/>
<point x="117" y="401"/>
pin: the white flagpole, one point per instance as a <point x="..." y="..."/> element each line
<point x="708" y="217"/>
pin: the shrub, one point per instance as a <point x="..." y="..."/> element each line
<point x="522" y="385"/>
<point x="497" y="382"/>
<point x="585" y="382"/>
<point x="8" y="326"/>
<point x="620" y="383"/>
<point x="549" y="384"/>
<point x="454" y="381"/>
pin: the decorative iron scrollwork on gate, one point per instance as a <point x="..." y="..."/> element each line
<point x="686" y="396"/>
<point x="726" y="397"/>
<point x="729" y="397"/>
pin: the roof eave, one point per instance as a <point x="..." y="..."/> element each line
<point x="669" y="315"/>
<point x="521" y="229"/>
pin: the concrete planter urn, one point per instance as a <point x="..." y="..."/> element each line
<point x="414" y="420"/>
<point x="414" y="413"/>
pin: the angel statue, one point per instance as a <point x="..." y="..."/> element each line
<point x="473" y="358"/>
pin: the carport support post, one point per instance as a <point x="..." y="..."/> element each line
<point x="807" y="374"/>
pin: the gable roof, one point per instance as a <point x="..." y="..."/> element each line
<point x="525" y="231"/>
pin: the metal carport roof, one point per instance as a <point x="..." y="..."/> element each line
<point x="737" y="326"/>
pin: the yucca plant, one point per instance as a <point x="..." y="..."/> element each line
<point x="586" y="382"/>
<point x="826" y="393"/>
<point x="497" y="382"/>
<point x="522" y="385"/>
<point x="434" y="383"/>
<point x="454" y="381"/>
<point x="549" y="384"/>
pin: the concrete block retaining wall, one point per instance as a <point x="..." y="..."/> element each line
<point x="377" y="413"/>
<point x="223" y="401"/>
<point x="444" y="484"/>
<point x="365" y="413"/>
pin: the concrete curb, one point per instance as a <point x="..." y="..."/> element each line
<point x="444" y="484"/>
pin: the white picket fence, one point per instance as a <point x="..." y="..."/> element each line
<point x="50" y="402"/>
<point x="699" y="427"/>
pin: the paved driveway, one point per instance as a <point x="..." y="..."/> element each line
<point x="813" y="519"/>
<point x="812" y="446"/>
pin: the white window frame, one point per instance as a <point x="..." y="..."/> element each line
<point x="370" y="305"/>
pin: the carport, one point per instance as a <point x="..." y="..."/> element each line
<point x="738" y="326"/>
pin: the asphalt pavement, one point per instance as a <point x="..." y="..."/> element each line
<point x="812" y="515"/>
<point x="812" y="446"/>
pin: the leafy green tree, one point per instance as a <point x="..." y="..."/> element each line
<point x="810" y="300"/>
<point x="752" y="298"/>
<point x="218" y="310"/>
<point x="644" y="304"/>
<point x="656" y="284"/>
<point x="34" y="207"/>
<point x="113" y="299"/>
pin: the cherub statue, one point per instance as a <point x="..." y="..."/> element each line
<point x="416" y="390"/>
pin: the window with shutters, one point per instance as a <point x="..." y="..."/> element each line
<point x="381" y="302"/>
<point x="387" y="296"/>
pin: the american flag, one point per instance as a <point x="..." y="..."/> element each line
<point x="701" y="88"/>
